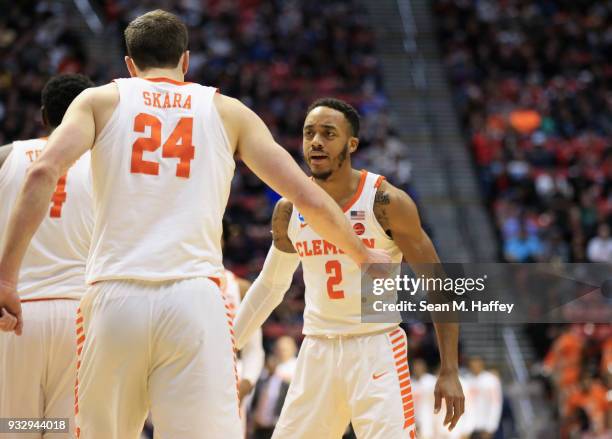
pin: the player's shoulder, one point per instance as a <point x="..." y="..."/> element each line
<point x="228" y="106"/>
<point x="392" y="196"/>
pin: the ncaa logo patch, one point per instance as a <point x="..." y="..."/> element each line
<point x="359" y="228"/>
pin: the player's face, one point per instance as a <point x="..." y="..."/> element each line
<point x="327" y="141"/>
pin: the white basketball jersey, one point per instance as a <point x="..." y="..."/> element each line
<point x="54" y="264"/>
<point x="162" y="168"/>
<point x="332" y="279"/>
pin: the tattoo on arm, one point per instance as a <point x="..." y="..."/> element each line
<point x="381" y="201"/>
<point x="280" y="225"/>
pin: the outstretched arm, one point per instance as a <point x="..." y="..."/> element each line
<point x="67" y="143"/>
<point x="273" y="281"/>
<point x="398" y="215"/>
<point x="275" y="166"/>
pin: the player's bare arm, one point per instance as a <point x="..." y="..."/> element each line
<point x="275" y="166"/>
<point x="5" y="150"/>
<point x="74" y="136"/>
<point x="280" y="226"/>
<point x="398" y="215"/>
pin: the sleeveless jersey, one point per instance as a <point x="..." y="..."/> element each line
<point x="332" y="279"/>
<point x="54" y="264"/>
<point x="162" y="169"/>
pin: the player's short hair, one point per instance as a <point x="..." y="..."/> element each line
<point x="58" y="94"/>
<point x="156" y="39"/>
<point x="351" y="115"/>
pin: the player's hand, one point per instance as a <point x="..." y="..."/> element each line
<point x="377" y="256"/>
<point x="377" y="264"/>
<point x="449" y="388"/>
<point x="244" y="388"/>
<point x="10" y="308"/>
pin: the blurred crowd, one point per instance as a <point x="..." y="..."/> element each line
<point x="532" y="87"/>
<point x="577" y="369"/>
<point x="531" y="81"/>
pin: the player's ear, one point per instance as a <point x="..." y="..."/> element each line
<point x="131" y="66"/>
<point x="185" y="62"/>
<point x="353" y="144"/>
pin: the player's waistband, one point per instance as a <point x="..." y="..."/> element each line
<point x="43" y="299"/>
<point x="345" y="336"/>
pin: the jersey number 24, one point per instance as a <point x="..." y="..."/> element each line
<point x="178" y="145"/>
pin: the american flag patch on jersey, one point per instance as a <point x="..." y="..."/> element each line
<point x="358" y="215"/>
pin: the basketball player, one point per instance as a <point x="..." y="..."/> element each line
<point x="347" y="370"/>
<point x="37" y="370"/>
<point x="162" y="162"/>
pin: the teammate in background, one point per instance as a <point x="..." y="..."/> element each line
<point x="485" y="398"/>
<point x="162" y="161"/>
<point x="37" y="371"/>
<point x="347" y="370"/>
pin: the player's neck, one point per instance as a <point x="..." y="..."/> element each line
<point x="175" y="74"/>
<point x="342" y="184"/>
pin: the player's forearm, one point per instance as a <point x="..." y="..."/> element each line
<point x="27" y="214"/>
<point x="265" y="294"/>
<point x="253" y="357"/>
<point x="322" y="213"/>
<point x="448" y="344"/>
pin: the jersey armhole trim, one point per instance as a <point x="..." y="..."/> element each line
<point x="227" y="153"/>
<point x="112" y="120"/>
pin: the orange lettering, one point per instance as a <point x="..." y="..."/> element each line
<point x="188" y="103"/>
<point x="329" y="248"/>
<point x="156" y="97"/>
<point x="316" y="247"/>
<point x="167" y="101"/>
<point x="29" y="154"/>
<point x="368" y="242"/>
<point x="307" y="251"/>
<point x="177" y="100"/>
<point x="147" y="97"/>
<point x="298" y="247"/>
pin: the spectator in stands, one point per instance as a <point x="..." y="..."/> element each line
<point x="272" y="388"/>
<point x="599" y="248"/>
<point x="523" y="248"/>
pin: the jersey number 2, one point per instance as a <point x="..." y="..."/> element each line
<point x="184" y="151"/>
<point x="334" y="269"/>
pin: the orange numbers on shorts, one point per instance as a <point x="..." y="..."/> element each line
<point x="178" y="145"/>
<point x="58" y="198"/>
<point x="334" y="269"/>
